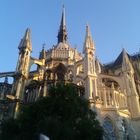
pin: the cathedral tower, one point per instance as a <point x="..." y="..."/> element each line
<point x="22" y="69"/>
<point x="89" y="66"/>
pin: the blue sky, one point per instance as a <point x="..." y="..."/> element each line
<point x="114" y="24"/>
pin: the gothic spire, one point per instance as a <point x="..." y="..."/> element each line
<point x="88" y="44"/>
<point x="27" y="34"/>
<point x="43" y="52"/>
<point x="88" y="34"/>
<point x="62" y="34"/>
<point x="26" y="41"/>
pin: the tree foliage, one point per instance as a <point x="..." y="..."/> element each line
<point x="62" y="115"/>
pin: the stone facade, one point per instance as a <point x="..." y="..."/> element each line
<point x="113" y="89"/>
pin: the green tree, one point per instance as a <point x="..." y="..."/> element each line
<point x="63" y="115"/>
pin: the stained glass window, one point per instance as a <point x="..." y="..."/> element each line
<point x="109" y="132"/>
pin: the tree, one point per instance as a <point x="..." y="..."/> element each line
<point x="63" y="115"/>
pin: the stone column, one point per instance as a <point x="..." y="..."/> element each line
<point x="104" y="96"/>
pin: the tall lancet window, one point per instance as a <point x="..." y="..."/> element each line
<point x="109" y="132"/>
<point x="91" y="68"/>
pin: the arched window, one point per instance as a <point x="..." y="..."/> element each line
<point x="79" y="70"/>
<point x="109" y="130"/>
<point x="91" y="65"/>
<point x="60" y="71"/>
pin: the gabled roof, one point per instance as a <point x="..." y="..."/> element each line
<point x="118" y="62"/>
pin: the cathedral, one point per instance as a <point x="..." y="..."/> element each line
<point x="113" y="89"/>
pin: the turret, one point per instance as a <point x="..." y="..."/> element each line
<point x="89" y="65"/>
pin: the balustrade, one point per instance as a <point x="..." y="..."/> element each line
<point x="112" y="98"/>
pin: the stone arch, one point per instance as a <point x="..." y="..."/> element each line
<point x="110" y="117"/>
<point x="110" y="82"/>
<point x="38" y="62"/>
<point x="7" y="79"/>
<point x="7" y="74"/>
<point x="118" y="79"/>
<point x="60" y="71"/>
<point x="33" y="67"/>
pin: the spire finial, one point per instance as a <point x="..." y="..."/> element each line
<point x="62" y="34"/>
<point x="88" y="30"/>
<point x="124" y="51"/>
<point x="63" y="20"/>
<point x="27" y="34"/>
